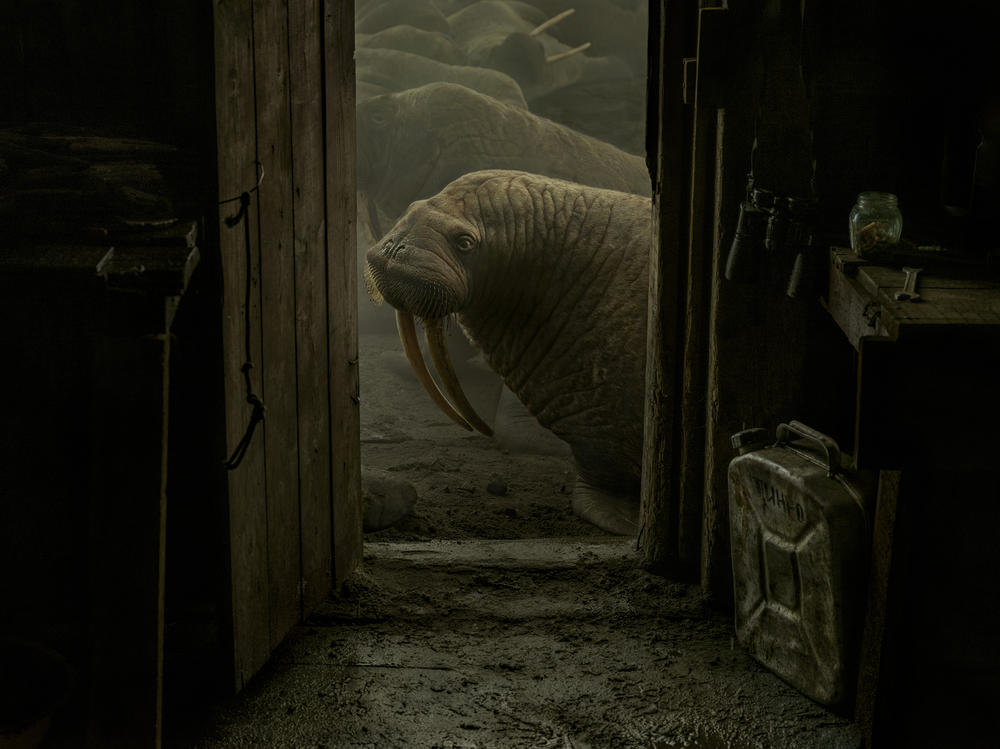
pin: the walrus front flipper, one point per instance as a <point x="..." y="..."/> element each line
<point x="614" y="513"/>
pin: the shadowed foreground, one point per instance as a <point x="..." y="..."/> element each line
<point x="493" y="617"/>
<point x="518" y="643"/>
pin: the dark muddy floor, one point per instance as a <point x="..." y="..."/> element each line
<point x="492" y="617"/>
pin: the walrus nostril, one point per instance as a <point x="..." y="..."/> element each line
<point x="391" y="249"/>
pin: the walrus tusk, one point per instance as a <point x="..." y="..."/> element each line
<point x="551" y="22"/>
<point x="408" y="336"/>
<point x="567" y="53"/>
<point x="434" y="330"/>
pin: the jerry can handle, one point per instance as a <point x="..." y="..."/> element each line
<point x="828" y="444"/>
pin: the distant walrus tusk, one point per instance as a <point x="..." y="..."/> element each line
<point x="567" y="53"/>
<point x="434" y="330"/>
<point x="408" y="336"/>
<point x="551" y="22"/>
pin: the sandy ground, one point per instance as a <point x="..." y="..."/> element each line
<point x="518" y="643"/>
<point x="517" y="484"/>
<point x="492" y="617"/>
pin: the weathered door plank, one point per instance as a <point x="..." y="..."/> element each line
<point x="312" y="353"/>
<point x="235" y="118"/>
<point x="277" y="290"/>
<point x="341" y="169"/>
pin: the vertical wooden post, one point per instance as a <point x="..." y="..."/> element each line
<point x="128" y="529"/>
<point x="706" y="96"/>
<point x="686" y="215"/>
<point x="870" y="660"/>
<point x="757" y="348"/>
<point x="725" y="361"/>
<point x="659" y="531"/>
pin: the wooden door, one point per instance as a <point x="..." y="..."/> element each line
<point x="284" y="90"/>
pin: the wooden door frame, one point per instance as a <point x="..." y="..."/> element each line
<point x="671" y="502"/>
<point x="670" y="536"/>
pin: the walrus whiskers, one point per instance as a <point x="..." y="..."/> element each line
<point x="434" y="331"/>
<point x="371" y="285"/>
<point x="408" y="337"/>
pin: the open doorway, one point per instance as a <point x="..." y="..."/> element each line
<point x="445" y="88"/>
<point x="491" y="615"/>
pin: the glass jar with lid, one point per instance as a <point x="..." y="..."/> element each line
<point x="875" y="219"/>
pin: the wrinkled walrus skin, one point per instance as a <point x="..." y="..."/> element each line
<point x="549" y="279"/>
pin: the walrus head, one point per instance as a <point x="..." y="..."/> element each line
<point x="419" y="267"/>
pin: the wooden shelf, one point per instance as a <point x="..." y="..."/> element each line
<point x="926" y="369"/>
<point x="862" y="300"/>
<point x="925" y="418"/>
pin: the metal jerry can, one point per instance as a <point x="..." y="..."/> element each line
<point x="799" y="535"/>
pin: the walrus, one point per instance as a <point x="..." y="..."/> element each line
<point x="382" y="71"/>
<point x="518" y="39"/>
<point x="548" y="278"/>
<point x="412" y="143"/>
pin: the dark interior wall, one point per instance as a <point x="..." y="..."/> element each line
<point x="115" y="68"/>
<point x="897" y="97"/>
<point x="45" y="445"/>
<point x="901" y="96"/>
<point x="149" y="70"/>
<point x="134" y="68"/>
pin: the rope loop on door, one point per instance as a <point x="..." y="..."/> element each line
<point x="242" y="216"/>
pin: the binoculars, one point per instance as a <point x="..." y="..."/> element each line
<point x="772" y="227"/>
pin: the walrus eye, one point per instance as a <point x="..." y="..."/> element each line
<point x="379" y="111"/>
<point x="464" y="242"/>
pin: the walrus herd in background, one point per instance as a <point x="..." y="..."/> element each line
<point x="531" y="232"/>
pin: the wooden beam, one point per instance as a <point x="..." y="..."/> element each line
<point x="659" y="510"/>
<point x="708" y="129"/>
<point x="128" y="541"/>
<point x="870" y="661"/>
